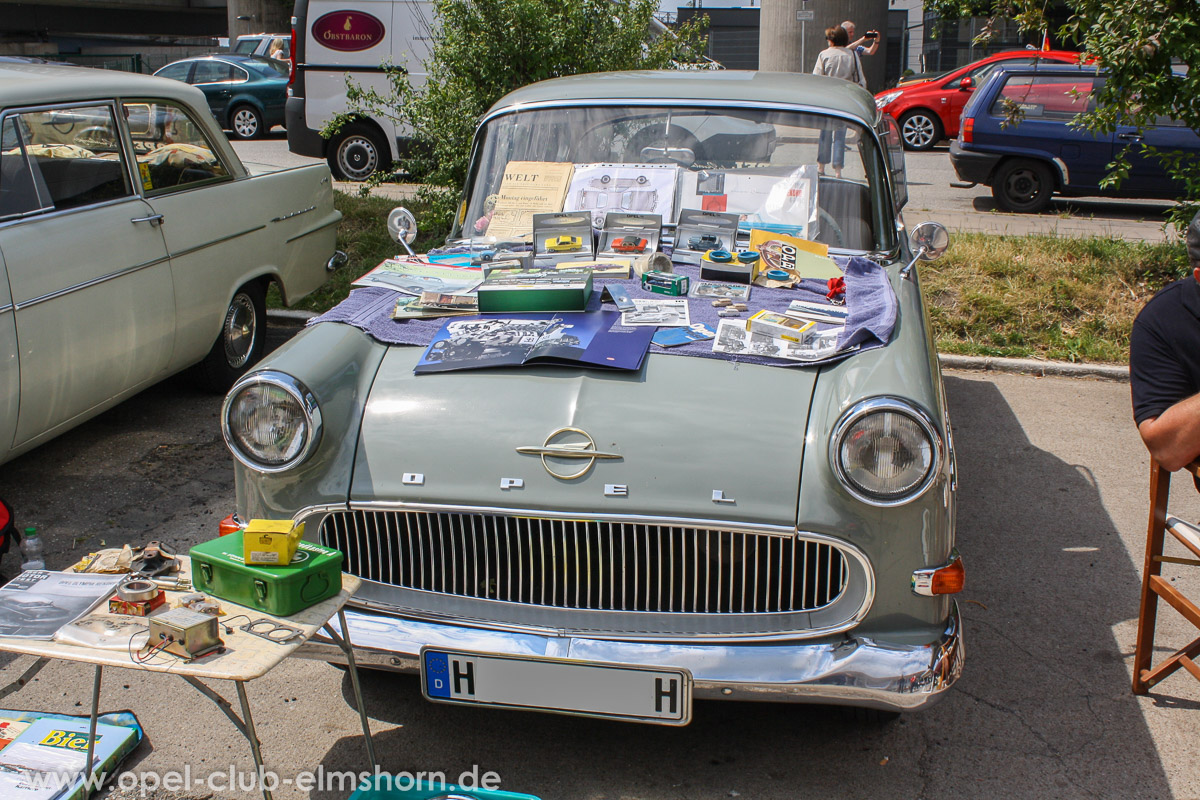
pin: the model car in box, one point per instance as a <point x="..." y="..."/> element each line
<point x="564" y="244"/>
<point x="629" y="244"/>
<point x="564" y="513"/>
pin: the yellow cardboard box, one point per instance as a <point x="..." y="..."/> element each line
<point x="270" y="542"/>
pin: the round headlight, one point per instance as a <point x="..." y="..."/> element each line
<point x="271" y="421"/>
<point x="885" y="451"/>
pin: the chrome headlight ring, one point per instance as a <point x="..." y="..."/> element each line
<point x="302" y="443"/>
<point x="894" y="405"/>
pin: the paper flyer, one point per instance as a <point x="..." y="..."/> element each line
<point x="528" y="188"/>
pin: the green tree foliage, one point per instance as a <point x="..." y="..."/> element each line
<point x="483" y="49"/>
<point x="1150" y="50"/>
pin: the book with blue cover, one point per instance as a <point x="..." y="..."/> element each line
<point x="590" y="339"/>
<point x="46" y="761"/>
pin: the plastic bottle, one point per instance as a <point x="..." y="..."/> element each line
<point x="31" y="550"/>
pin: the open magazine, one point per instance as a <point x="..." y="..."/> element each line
<point x="569" y="338"/>
<point x="37" y="603"/>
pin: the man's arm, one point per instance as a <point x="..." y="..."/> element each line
<point x="868" y="46"/>
<point x="1173" y="438"/>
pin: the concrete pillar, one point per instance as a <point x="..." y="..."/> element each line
<point x="258" y="16"/>
<point x="788" y="40"/>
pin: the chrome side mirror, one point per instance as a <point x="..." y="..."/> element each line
<point x="402" y="226"/>
<point x="929" y="241"/>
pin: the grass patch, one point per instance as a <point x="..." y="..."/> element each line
<point x="1045" y="296"/>
<point x="1049" y="297"/>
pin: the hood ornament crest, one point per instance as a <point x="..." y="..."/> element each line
<point x="585" y="449"/>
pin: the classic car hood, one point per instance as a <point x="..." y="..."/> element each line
<point x="682" y="429"/>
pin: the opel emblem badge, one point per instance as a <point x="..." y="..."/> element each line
<point x="571" y="443"/>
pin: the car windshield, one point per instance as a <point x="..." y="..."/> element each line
<point x="807" y="174"/>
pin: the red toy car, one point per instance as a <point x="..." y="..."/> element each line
<point x="928" y="111"/>
<point x="629" y="244"/>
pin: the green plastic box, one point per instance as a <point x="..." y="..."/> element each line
<point x="219" y="569"/>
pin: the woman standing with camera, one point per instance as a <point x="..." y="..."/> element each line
<point x="836" y="61"/>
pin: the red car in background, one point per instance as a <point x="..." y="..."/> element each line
<point x="928" y="111"/>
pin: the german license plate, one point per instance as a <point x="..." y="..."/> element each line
<point x="617" y="691"/>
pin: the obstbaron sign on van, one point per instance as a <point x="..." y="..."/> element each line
<point x="348" y="31"/>
<point x="342" y="41"/>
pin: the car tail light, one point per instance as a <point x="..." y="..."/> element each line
<point x="949" y="579"/>
<point x="231" y="524"/>
<point x="967" y="131"/>
<point x="292" y="58"/>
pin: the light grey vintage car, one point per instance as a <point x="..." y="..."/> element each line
<point x="133" y="244"/>
<point x="618" y="544"/>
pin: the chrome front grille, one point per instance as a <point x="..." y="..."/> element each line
<point x="589" y="565"/>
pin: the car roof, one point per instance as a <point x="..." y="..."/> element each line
<point x="723" y="87"/>
<point x="40" y="84"/>
<point x="232" y="58"/>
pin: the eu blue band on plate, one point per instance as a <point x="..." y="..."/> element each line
<point x="437" y="674"/>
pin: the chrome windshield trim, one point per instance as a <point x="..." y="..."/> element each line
<point x="88" y="284"/>
<point x="222" y="240"/>
<point x="670" y="102"/>
<point x="628" y="519"/>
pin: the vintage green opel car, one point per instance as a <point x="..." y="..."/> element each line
<point x="621" y="543"/>
<point x="134" y="244"/>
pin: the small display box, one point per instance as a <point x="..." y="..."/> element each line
<point x="667" y="283"/>
<point x="516" y="290"/>
<point x="779" y="326"/>
<point x="723" y="266"/>
<point x="487" y="251"/>
<point x="219" y="569"/>
<point x="562" y="237"/>
<point x="271" y="541"/>
<point x="698" y="232"/>
<point x="630" y="234"/>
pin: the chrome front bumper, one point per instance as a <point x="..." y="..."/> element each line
<point x="856" y="671"/>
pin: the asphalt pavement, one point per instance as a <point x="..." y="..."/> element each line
<point x="1052" y="513"/>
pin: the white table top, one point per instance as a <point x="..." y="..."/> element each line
<point x="244" y="658"/>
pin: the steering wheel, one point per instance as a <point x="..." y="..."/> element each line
<point x="828" y="220"/>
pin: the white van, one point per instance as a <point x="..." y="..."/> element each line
<point x="334" y="41"/>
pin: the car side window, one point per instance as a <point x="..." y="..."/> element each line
<point x="1049" y="97"/>
<point x="172" y="152"/>
<point x="212" y="72"/>
<point x="61" y="158"/>
<point x="238" y="75"/>
<point x="176" y="72"/>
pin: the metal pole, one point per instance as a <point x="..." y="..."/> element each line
<point x="91" y="745"/>
<point x="348" y="646"/>
<point x="253" y="737"/>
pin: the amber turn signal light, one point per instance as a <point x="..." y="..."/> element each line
<point x="231" y="524"/>
<point x="949" y="579"/>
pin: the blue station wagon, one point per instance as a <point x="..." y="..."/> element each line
<point x="1026" y="163"/>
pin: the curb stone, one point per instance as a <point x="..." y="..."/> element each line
<point x="1015" y="366"/>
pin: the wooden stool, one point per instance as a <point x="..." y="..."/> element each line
<point x="1155" y="586"/>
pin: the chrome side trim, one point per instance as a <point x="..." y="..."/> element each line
<point x="5" y="309"/>
<point x="311" y="231"/>
<point x="294" y="214"/>
<point x="853" y="670"/>
<point x="88" y="284"/>
<point x="214" y="242"/>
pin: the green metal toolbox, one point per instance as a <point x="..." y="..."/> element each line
<point x="219" y="569"/>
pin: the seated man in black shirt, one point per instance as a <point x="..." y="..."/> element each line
<point x="1164" y="366"/>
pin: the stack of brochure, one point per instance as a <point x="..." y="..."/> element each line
<point x="47" y="759"/>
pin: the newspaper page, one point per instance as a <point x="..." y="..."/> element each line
<point x="528" y="188"/>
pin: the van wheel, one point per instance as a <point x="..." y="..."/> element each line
<point x="246" y="122"/>
<point x="356" y="152"/>
<point x="240" y="344"/>
<point x="1023" y="186"/>
<point x="920" y="130"/>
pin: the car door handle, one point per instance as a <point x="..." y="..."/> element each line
<point x="1131" y="137"/>
<point x="153" y="219"/>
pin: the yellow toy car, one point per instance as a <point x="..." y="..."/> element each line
<point x="564" y="244"/>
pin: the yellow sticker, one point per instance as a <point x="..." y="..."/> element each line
<point x="147" y="183"/>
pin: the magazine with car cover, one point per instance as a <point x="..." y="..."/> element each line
<point x="581" y="339"/>
<point x="416" y="274"/>
<point x="47" y="759"/>
<point x="37" y="603"/>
